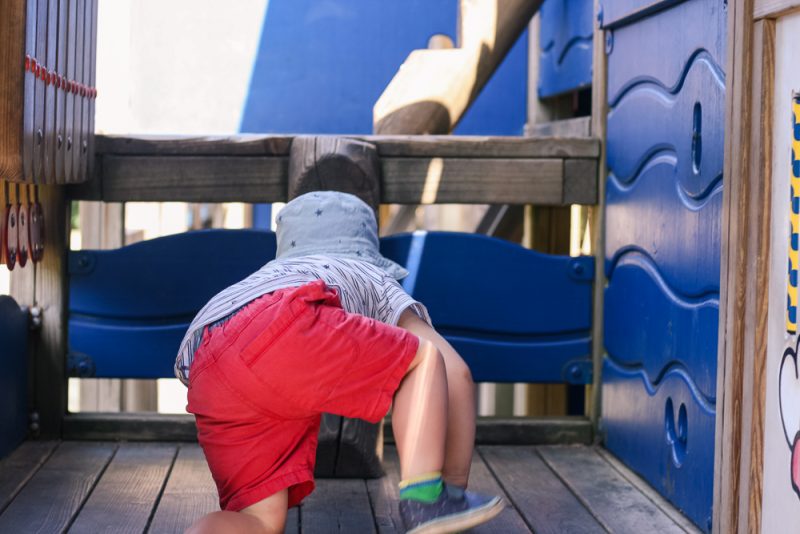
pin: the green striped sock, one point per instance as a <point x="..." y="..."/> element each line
<point x="423" y="488"/>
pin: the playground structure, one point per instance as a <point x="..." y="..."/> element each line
<point x="683" y="321"/>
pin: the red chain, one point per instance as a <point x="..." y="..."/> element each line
<point x="51" y="77"/>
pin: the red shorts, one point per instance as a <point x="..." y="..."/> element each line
<point x="260" y="382"/>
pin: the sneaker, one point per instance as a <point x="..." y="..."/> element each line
<point x="452" y="512"/>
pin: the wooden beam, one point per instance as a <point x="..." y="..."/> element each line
<point x="774" y="8"/>
<point x="744" y="283"/>
<point x="433" y="88"/>
<point x="416" y="170"/>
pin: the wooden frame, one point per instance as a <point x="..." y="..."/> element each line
<point x="744" y="290"/>
<point x="774" y="8"/>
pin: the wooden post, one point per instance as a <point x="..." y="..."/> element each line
<point x="44" y="285"/>
<point x="452" y="78"/>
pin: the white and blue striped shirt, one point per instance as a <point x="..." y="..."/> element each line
<point x="363" y="289"/>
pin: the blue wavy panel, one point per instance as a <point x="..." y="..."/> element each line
<point x="666" y="434"/>
<point x="648" y="325"/>
<point x="653" y="215"/>
<point x="565" y="60"/>
<point x="658" y="49"/>
<point x="687" y="121"/>
<point x="524" y="292"/>
<point x="615" y="12"/>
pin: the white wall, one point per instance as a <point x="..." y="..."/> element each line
<point x="781" y="505"/>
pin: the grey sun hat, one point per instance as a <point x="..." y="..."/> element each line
<point x="335" y="224"/>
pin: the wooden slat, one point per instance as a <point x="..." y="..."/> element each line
<point x="190" y="493"/>
<point x="577" y="127"/>
<point x="461" y="180"/>
<point x="193" y="179"/>
<point x="130" y="426"/>
<point x="383" y="495"/>
<point x="126" y="495"/>
<point x="337" y="506"/>
<point x="20" y="466"/>
<point x="547" y="505"/>
<point x="774" y="8"/>
<point x="648" y="491"/>
<point x="408" y="146"/>
<point x="618" y="505"/>
<point x="51" y="498"/>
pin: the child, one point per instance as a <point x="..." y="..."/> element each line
<point x="325" y="327"/>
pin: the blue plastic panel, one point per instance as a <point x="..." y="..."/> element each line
<point x="13" y="375"/>
<point x="665" y="433"/>
<point x="614" y="12"/>
<point x="659" y="330"/>
<point x="658" y="50"/>
<point x="640" y="217"/>
<point x="565" y="60"/>
<point x="663" y="233"/>
<point x="514" y="314"/>
<point x="530" y="323"/>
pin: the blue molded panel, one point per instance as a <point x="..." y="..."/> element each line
<point x="533" y="326"/>
<point x="665" y="433"/>
<point x="614" y="12"/>
<point x="687" y="122"/>
<point x="565" y="62"/>
<point x="321" y="66"/>
<point x="663" y="233"/>
<point x="658" y="50"/>
<point x="514" y="314"/>
<point x="641" y="217"/>
<point x="167" y="278"/>
<point x="649" y="325"/>
<point x="13" y="375"/>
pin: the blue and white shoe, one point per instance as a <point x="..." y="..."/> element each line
<point x="455" y="510"/>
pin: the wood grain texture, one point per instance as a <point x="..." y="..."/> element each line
<point x="618" y="505"/>
<point x="580" y="181"/>
<point x="50" y="346"/>
<point x="20" y="466"/>
<point x="733" y="414"/>
<point x="12" y="72"/>
<point x="190" y="493"/>
<point x="648" y="491"/>
<point x="546" y="504"/>
<point x="193" y="178"/>
<point x="461" y="180"/>
<point x="774" y="8"/>
<point x="239" y="145"/>
<point x="337" y="506"/>
<point x="761" y="147"/>
<point x="126" y="495"/>
<point x="577" y="127"/>
<point x="49" y="501"/>
<point x="130" y="426"/>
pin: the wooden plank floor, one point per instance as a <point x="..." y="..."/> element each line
<point x="96" y="487"/>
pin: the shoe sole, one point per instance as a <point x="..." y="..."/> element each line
<point x="456" y="523"/>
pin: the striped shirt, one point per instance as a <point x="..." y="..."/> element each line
<point x="362" y="287"/>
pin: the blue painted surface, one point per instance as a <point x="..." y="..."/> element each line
<point x="658" y="329"/>
<point x="675" y="454"/>
<point x="615" y="12"/>
<point x="664" y="207"/>
<point x="533" y="327"/>
<point x="13" y="375"/>
<point x="321" y="66"/>
<point x="565" y="42"/>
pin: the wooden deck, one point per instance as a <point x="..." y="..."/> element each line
<point x="126" y="487"/>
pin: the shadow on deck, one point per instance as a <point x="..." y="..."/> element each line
<point x="163" y="487"/>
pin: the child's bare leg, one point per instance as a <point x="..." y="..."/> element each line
<point x="267" y="516"/>
<point x="419" y="416"/>
<point x="461" y="400"/>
